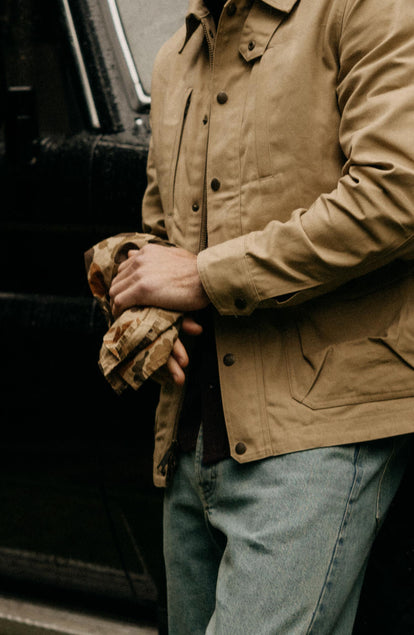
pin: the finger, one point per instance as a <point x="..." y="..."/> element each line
<point x="122" y="282"/>
<point x="126" y="266"/>
<point x="175" y="371"/>
<point x="120" y="300"/>
<point x="115" y="287"/>
<point x="190" y="326"/>
<point x="117" y="291"/>
<point x="180" y="354"/>
<point x="130" y="265"/>
<point x="116" y="308"/>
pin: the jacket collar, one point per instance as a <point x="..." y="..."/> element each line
<point x="197" y="11"/>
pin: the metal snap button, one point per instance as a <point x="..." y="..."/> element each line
<point x="228" y="359"/>
<point x="240" y="448"/>
<point x="215" y="184"/>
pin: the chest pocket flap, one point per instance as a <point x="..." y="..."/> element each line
<point x="260" y="25"/>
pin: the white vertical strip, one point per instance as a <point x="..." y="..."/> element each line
<point x="93" y="114"/>
<point x="119" y="29"/>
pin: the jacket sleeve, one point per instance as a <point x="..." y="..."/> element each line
<point x="368" y="220"/>
<point x="152" y="210"/>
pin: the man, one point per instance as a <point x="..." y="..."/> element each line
<point x="282" y="166"/>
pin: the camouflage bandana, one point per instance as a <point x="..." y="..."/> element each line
<point x="139" y="342"/>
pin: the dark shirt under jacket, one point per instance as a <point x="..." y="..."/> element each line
<point x="202" y="402"/>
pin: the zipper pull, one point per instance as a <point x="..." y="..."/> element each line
<point x="168" y="463"/>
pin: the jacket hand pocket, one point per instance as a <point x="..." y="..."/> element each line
<point x="177" y="143"/>
<point x="353" y="352"/>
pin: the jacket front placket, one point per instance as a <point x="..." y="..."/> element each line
<point x="241" y="39"/>
<point x="240" y="43"/>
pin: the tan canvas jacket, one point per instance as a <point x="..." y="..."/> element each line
<point x="293" y="124"/>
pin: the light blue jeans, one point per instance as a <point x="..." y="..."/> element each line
<point x="277" y="546"/>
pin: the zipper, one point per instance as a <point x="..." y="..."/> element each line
<point x="210" y="45"/>
<point x="168" y="463"/>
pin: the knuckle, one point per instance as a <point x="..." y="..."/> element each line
<point x="133" y="258"/>
<point x="142" y="287"/>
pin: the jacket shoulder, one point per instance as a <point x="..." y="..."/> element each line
<point x="166" y="56"/>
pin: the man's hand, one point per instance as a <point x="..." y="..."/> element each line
<point x="165" y="277"/>
<point x="178" y="359"/>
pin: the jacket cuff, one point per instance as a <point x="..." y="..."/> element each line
<point x="226" y="279"/>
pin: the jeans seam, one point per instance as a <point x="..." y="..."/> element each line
<point x="207" y="488"/>
<point x="339" y="540"/>
<point x="209" y="527"/>
<point x="379" y="490"/>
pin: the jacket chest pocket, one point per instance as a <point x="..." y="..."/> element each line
<point x="260" y="28"/>
<point x="268" y="117"/>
